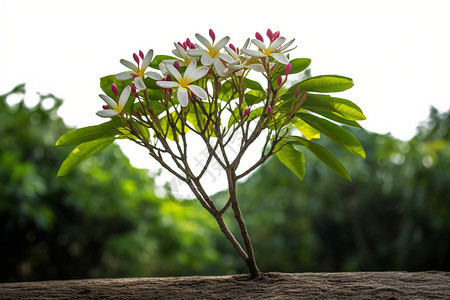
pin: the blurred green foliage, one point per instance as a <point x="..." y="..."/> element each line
<point x="105" y="220"/>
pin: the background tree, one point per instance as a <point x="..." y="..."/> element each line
<point x="106" y="221"/>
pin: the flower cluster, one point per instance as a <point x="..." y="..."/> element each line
<point x="217" y="57"/>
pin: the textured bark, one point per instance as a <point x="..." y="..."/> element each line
<point x="360" y="285"/>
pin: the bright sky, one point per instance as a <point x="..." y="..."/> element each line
<point x="397" y="52"/>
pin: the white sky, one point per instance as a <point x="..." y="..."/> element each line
<point x="397" y="52"/>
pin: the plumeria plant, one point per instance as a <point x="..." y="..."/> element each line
<point x="205" y="90"/>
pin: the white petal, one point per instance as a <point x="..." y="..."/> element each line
<point x="247" y="42"/>
<point x="176" y="53"/>
<point x="277" y="43"/>
<point x="182" y="96"/>
<point x="180" y="50"/>
<point x="231" y="52"/>
<point x="147" y="59"/>
<point x="190" y="68"/>
<point x="195" y="52"/>
<point x="220" y="68"/>
<point x="174" y="72"/>
<point x="206" y="60"/>
<point x="257" y="67"/>
<point x="253" y="53"/>
<point x="108" y="100"/>
<point x="226" y="57"/>
<point x="129" y="64"/>
<point x="202" y="40"/>
<point x="287" y="44"/>
<point x="259" y="44"/>
<point x="280" y="57"/>
<point x="123" y="99"/>
<point x="198" y="91"/>
<point x="153" y="75"/>
<point x="221" y="43"/>
<point x="106" y="113"/>
<point x="167" y="84"/>
<point x="197" y="74"/>
<point x="139" y="83"/>
<point x="124" y="76"/>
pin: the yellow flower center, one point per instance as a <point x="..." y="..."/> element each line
<point x="213" y="53"/>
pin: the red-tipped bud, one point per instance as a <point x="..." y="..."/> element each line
<point x="232" y="47"/>
<point x="105" y="107"/>
<point x="136" y="95"/>
<point x="133" y="89"/>
<point x="190" y="44"/>
<point x="182" y="45"/>
<point x="276" y="35"/>
<point x="141" y="54"/>
<point x="279" y="81"/>
<point x="176" y="65"/>
<point x="296" y="92"/>
<point x="168" y="78"/>
<point x="246" y="112"/>
<point x="136" y="58"/>
<point x="269" y="110"/>
<point x="114" y="89"/>
<point x="269" y="34"/>
<point x="259" y="37"/>
<point x="287" y="69"/>
<point x="212" y="35"/>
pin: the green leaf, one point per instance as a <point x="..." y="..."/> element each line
<point x="293" y="159"/>
<point x="105" y="85"/>
<point x="91" y="133"/>
<point x="299" y="65"/>
<point x="323" y="154"/>
<point x="342" y="107"/>
<point x="168" y="130"/>
<point x="253" y="85"/>
<point x="336" y="118"/>
<point x="83" y="152"/>
<point x="254" y="97"/>
<point x="324" y="84"/>
<point x="307" y="131"/>
<point x="226" y="92"/>
<point x="159" y="59"/>
<point x="336" y="133"/>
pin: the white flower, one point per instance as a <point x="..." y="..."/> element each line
<point x="276" y="49"/>
<point x="184" y="82"/>
<point x="114" y="107"/>
<point x="137" y="71"/>
<point x="180" y="52"/>
<point x="212" y="54"/>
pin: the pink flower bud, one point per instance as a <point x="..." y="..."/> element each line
<point x="136" y="58"/>
<point x="246" y="112"/>
<point x="141" y="54"/>
<point x="232" y="47"/>
<point x="269" y="110"/>
<point x="190" y="44"/>
<point x="133" y="89"/>
<point x="176" y="65"/>
<point x="105" y="107"/>
<point x="212" y="35"/>
<point x="279" y="81"/>
<point x="287" y="69"/>
<point x="269" y="34"/>
<point x="136" y="95"/>
<point x="168" y="78"/>
<point x="259" y="37"/>
<point x="114" y="89"/>
<point x="296" y="92"/>
<point x="276" y="35"/>
<point x="182" y="45"/>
